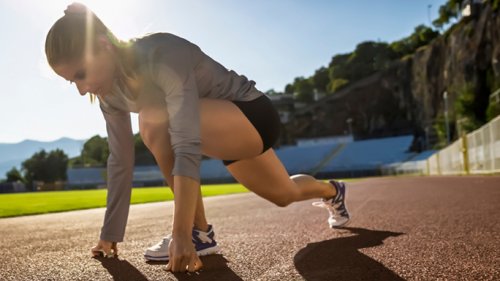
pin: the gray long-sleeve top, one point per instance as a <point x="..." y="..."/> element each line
<point x="176" y="75"/>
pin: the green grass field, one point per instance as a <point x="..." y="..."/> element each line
<point x="19" y="204"/>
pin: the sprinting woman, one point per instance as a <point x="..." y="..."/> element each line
<point x="188" y="105"/>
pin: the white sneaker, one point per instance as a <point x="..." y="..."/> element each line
<point x="339" y="216"/>
<point x="204" y="243"/>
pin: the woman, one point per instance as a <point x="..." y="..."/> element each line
<point x="188" y="104"/>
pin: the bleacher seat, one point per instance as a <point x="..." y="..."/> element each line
<point x="370" y="154"/>
<point x="304" y="159"/>
<point x="212" y="170"/>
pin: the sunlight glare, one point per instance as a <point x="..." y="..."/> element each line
<point x="117" y="15"/>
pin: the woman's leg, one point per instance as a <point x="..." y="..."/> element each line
<point x="227" y="134"/>
<point x="267" y="177"/>
<point x="153" y="126"/>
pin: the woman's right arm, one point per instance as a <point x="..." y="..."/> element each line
<point x="120" y="169"/>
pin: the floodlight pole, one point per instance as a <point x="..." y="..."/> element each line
<point x="349" y="124"/>
<point x="445" y="97"/>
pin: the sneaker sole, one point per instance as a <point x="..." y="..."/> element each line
<point x="342" y="225"/>
<point x="205" y="252"/>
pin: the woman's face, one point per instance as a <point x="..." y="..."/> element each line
<point x="93" y="74"/>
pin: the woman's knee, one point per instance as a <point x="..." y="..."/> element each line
<point x="153" y="128"/>
<point x="284" y="200"/>
<point x="146" y="134"/>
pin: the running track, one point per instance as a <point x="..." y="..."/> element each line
<point x="411" y="228"/>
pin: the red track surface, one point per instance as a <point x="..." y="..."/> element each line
<point x="412" y="228"/>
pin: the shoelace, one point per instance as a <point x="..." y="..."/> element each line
<point x="203" y="236"/>
<point x="330" y="207"/>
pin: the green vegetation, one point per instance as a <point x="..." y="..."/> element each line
<point x="495" y="4"/>
<point x="448" y="11"/>
<point x="18" y="204"/>
<point x="466" y="107"/>
<point x="368" y="58"/>
<point x="45" y="166"/>
<point x="440" y="128"/>
<point x="14" y="175"/>
<point x="95" y="153"/>
<point x="493" y="110"/>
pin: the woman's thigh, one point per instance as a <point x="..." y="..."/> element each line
<point x="226" y="133"/>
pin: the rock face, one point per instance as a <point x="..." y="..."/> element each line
<point x="407" y="98"/>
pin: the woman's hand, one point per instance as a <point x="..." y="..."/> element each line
<point x="183" y="255"/>
<point x="181" y="248"/>
<point x="105" y="248"/>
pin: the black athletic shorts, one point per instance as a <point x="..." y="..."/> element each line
<point x="265" y="119"/>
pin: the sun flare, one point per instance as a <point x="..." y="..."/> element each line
<point x="116" y="15"/>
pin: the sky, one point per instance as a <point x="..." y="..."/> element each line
<point x="270" y="41"/>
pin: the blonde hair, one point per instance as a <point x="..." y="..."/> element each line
<point x="75" y="35"/>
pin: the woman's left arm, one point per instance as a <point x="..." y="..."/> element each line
<point x="177" y="81"/>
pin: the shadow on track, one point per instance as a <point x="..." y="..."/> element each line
<point x="340" y="258"/>
<point x="121" y="269"/>
<point x="214" y="268"/>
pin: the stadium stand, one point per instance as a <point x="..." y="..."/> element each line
<point x="305" y="159"/>
<point x="86" y="177"/>
<point x="416" y="165"/>
<point x="366" y="157"/>
<point x="214" y="171"/>
<point x="324" y="160"/>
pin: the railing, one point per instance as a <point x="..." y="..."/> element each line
<point x="484" y="148"/>
<point x="475" y="153"/>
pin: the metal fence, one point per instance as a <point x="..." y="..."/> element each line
<point x="484" y="148"/>
<point x="476" y="153"/>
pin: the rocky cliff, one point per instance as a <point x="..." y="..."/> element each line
<point x="407" y="98"/>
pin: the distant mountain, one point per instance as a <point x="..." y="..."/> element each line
<point x="13" y="154"/>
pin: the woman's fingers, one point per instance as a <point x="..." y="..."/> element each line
<point x="191" y="265"/>
<point x="96" y="251"/>
<point x="177" y="264"/>
<point x="114" y="247"/>
<point x="183" y="256"/>
<point x="105" y="248"/>
<point x="195" y="264"/>
<point x="181" y="264"/>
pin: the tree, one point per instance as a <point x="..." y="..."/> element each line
<point x="321" y="80"/>
<point x="142" y="154"/>
<point x="337" y="84"/>
<point x="493" y="110"/>
<point x="469" y="107"/>
<point x="289" y="89"/>
<point x="448" y="11"/>
<point x="57" y="165"/>
<point x="272" y="92"/>
<point x="14" y="175"/>
<point x="46" y="167"/>
<point x="338" y="67"/>
<point x="304" y="90"/>
<point x="362" y="61"/>
<point x="421" y="36"/>
<point x="367" y="58"/>
<point x="95" y="151"/>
